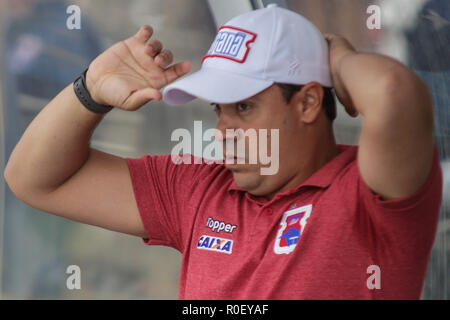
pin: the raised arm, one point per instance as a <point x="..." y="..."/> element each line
<point x="53" y="168"/>
<point x="396" y="143"/>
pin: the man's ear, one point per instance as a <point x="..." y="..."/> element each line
<point x="309" y="101"/>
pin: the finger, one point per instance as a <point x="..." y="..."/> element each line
<point x="328" y="36"/>
<point x="177" y="70"/>
<point x="340" y="41"/>
<point x="351" y="111"/>
<point x="332" y="35"/>
<point x="137" y="44"/>
<point x="354" y="114"/>
<point x="153" y="48"/>
<point x="139" y="98"/>
<point x="144" y="33"/>
<point x="164" y="59"/>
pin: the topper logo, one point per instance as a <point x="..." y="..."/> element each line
<point x="231" y="43"/>
<point x="216" y="225"/>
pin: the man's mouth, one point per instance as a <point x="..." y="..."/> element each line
<point x="232" y="159"/>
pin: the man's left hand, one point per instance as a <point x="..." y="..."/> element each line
<point x="339" y="48"/>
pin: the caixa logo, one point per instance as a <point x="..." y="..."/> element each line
<point x="215" y="244"/>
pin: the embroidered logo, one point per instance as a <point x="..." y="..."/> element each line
<point x="292" y="225"/>
<point x="215" y="244"/>
<point x="231" y="43"/>
<point x="217" y="226"/>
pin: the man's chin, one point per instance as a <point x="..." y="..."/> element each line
<point x="242" y="169"/>
<point x="244" y="178"/>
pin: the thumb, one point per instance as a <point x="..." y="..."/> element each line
<point x="328" y="36"/>
<point x="140" y="97"/>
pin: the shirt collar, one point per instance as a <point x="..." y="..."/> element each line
<point x="323" y="177"/>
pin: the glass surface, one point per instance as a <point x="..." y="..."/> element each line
<point x="416" y="32"/>
<point x="40" y="56"/>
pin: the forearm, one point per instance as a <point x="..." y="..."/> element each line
<point x="381" y="86"/>
<point x="53" y="147"/>
<point x="396" y="142"/>
<point x="395" y="146"/>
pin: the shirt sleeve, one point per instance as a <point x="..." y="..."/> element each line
<point x="162" y="187"/>
<point x="406" y="226"/>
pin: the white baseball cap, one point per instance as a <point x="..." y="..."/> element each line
<point x="253" y="51"/>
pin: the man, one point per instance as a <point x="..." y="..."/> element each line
<point x="334" y="222"/>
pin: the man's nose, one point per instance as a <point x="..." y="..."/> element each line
<point x="224" y="129"/>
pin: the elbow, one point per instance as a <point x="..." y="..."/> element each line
<point x="9" y="179"/>
<point x="12" y="180"/>
<point x="7" y="176"/>
<point x="408" y="98"/>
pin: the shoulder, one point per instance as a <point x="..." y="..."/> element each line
<point x="350" y="178"/>
<point x="175" y="168"/>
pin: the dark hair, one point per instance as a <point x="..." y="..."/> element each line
<point x="328" y="102"/>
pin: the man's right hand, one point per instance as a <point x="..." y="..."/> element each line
<point x="132" y="72"/>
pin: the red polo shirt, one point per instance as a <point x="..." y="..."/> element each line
<point x="328" y="238"/>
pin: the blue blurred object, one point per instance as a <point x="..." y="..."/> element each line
<point x="41" y="56"/>
<point x="429" y="40"/>
<point x="429" y="56"/>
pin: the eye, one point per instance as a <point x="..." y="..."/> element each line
<point x="242" y="107"/>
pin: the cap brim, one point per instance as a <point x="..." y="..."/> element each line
<point x="213" y="85"/>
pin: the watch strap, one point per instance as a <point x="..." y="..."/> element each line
<point x="79" y="86"/>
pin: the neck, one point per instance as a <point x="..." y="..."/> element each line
<point x="318" y="154"/>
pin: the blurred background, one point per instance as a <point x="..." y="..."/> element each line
<point x="40" y="55"/>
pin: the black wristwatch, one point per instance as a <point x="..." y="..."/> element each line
<point x="79" y="86"/>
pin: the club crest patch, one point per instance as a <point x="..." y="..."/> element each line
<point x="231" y="43"/>
<point x="292" y="225"/>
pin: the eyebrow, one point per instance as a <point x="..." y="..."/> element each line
<point x="251" y="99"/>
